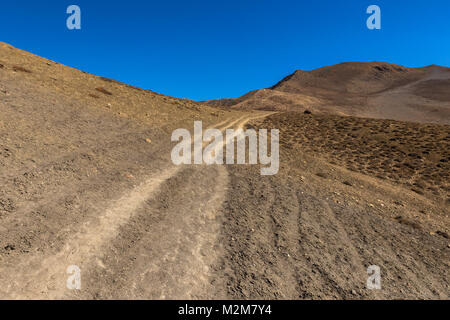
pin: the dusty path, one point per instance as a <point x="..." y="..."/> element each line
<point x="203" y="232"/>
<point x="86" y="180"/>
<point x="173" y="214"/>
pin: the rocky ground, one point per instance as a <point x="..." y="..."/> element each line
<point x="87" y="180"/>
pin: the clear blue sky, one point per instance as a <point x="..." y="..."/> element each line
<point x="215" y="49"/>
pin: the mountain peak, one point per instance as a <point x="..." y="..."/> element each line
<point x="363" y="89"/>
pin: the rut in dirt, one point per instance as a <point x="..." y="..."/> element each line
<point x="45" y="276"/>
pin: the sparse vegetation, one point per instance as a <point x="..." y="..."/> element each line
<point x="415" y="155"/>
<point x="120" y="83"/>
<point x="21" y="69"/>
<point x="321" y="175"/>
<point x="104" y="91"/>
<point x="409" y="223"/>
<point x="110" y="80"/>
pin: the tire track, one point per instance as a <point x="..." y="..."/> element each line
<point x="42" y="276"/>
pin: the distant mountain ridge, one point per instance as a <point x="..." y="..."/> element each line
<point x="373" y="89"/>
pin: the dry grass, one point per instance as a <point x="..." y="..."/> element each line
<point x="415" y="155"/>
<point x="407" y="222"/>
<point x="20" y="69"/>
<point x="144" y="106"/>
<point x="104" y="91"/>
<point x="322" y="175"/>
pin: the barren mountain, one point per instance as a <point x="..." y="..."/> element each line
<point x="87" y="180"/>
<point x="372" y="90"/>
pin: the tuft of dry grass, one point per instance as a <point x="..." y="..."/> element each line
<point x="414" y="155"/>
<point x="104" y="91"/>
<point x="322" y="175"/>
<point x="94" y="96"/>
<point x="110" y="80"/>
<point x="409" y="223"/>
<point x="443" y="234"/>
<point x="20" y="69"/>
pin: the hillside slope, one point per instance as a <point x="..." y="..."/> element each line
<point x="372" y="90"/>
<point x="87" y="180"/>
<point x="20" y="70"/>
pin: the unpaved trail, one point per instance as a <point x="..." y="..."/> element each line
<point x="86" y="179"/>
<point x="180" y="244"/>
<point x="41" y="274"/>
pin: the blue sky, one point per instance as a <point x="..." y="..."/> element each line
<point x="217" y="49"/>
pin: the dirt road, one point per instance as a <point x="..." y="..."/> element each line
<point x="209" y="232"/>
<point x="156" y="240"/>
<point x="86" y="180"/>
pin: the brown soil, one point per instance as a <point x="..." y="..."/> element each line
<point x="87" y="180"/>
<point x="373" y="90"/>
<point x="414" y="155"/>
<point x="311" y="231"/>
